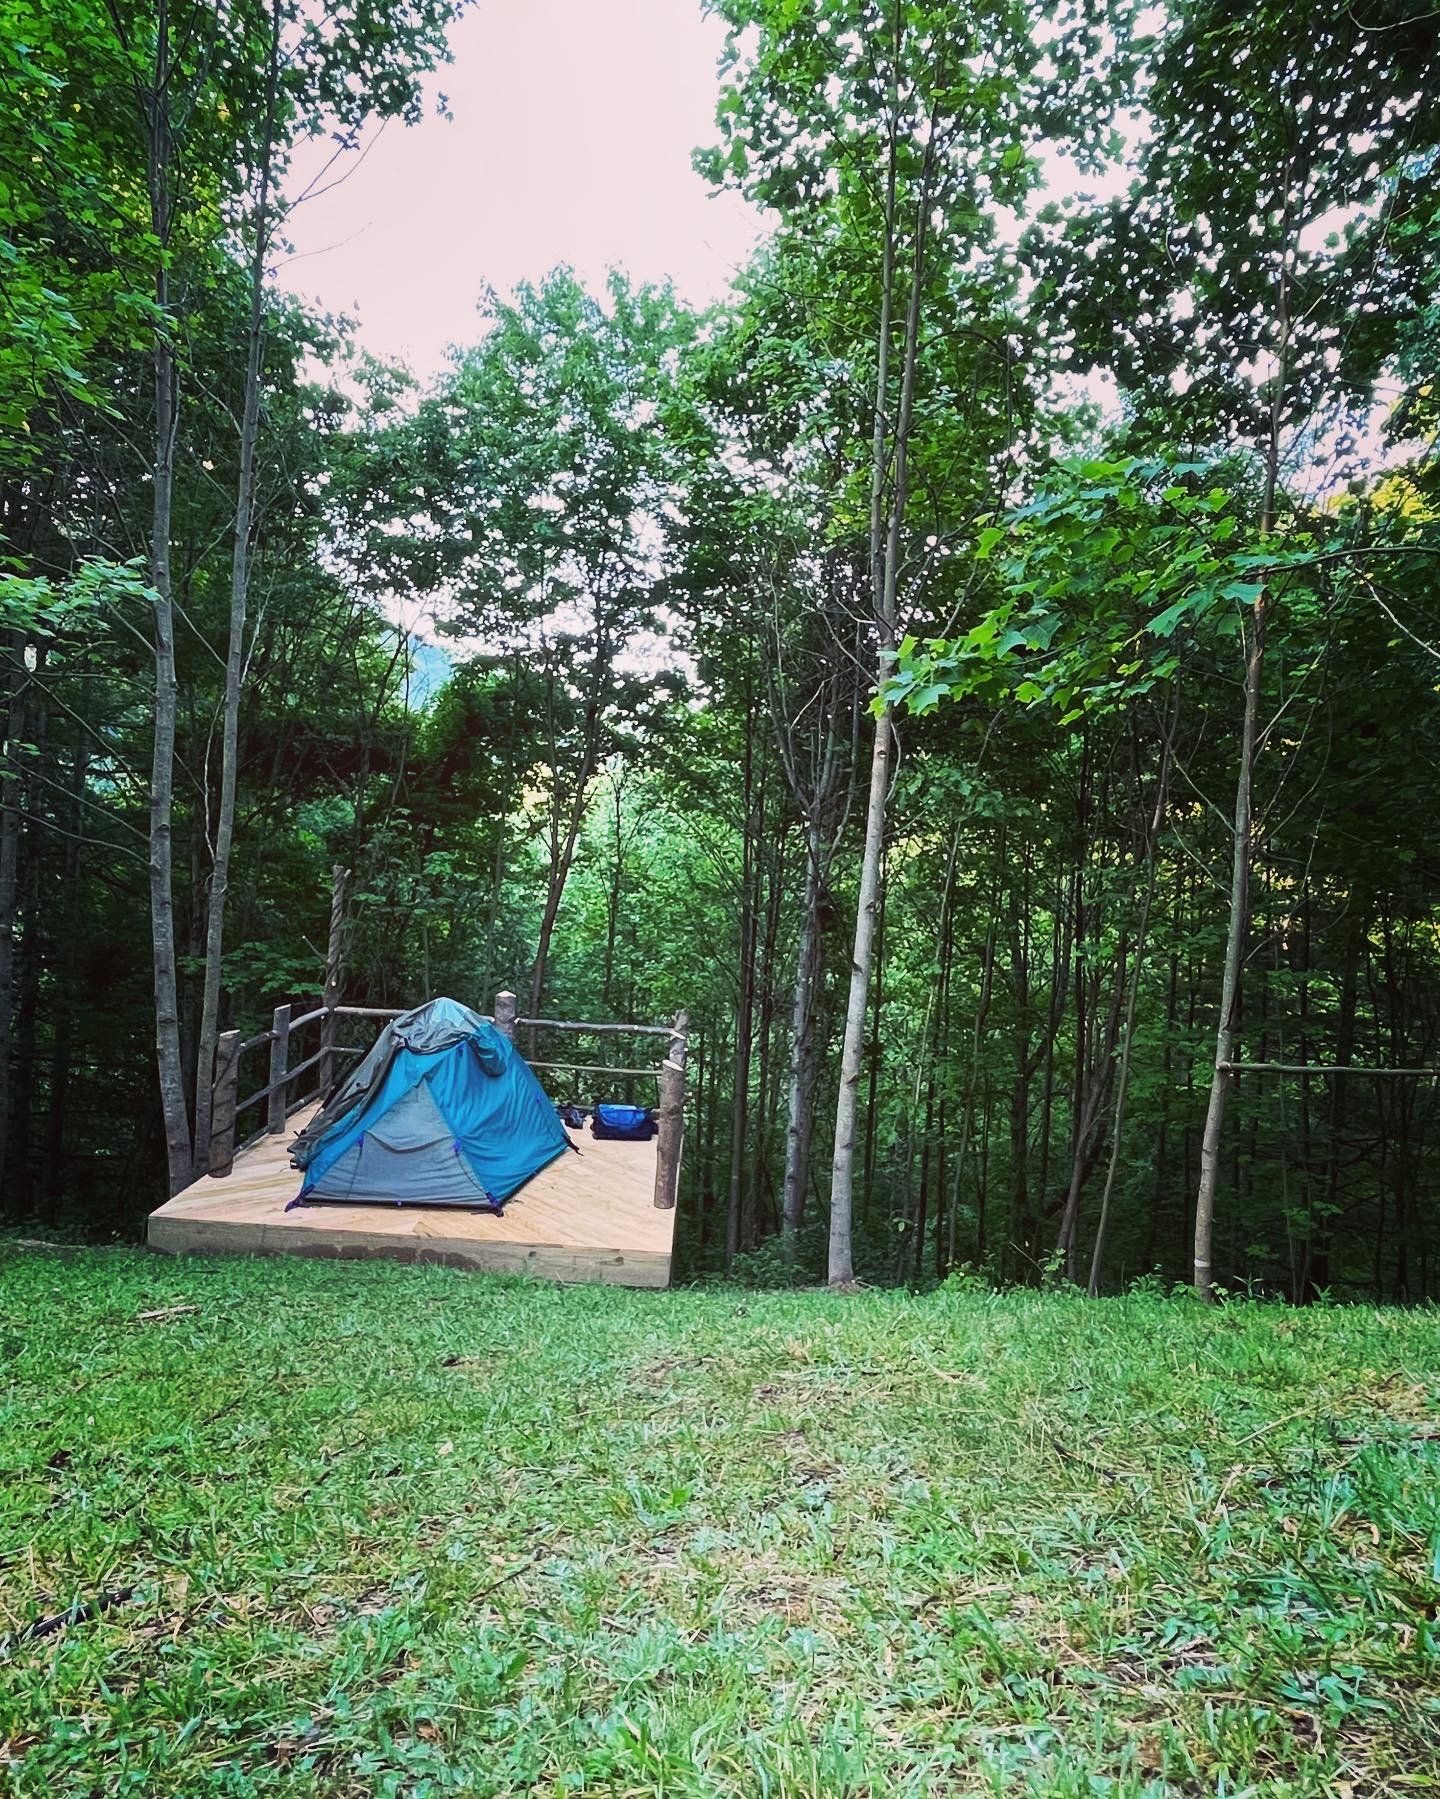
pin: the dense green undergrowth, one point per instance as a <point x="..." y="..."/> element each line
<point x="350" y="1529"/>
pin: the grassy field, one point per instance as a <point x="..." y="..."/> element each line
<point x="351" y="1529"/>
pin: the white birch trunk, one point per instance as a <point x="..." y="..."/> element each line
<point x="235" y="653"/>
<point x="842" y="1170"/>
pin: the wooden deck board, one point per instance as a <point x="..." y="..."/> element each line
<point x="590" y="1216"/>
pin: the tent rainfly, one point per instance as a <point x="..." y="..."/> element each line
<point x="443" y="1111"/>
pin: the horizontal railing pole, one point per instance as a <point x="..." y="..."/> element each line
<point x="1323" y="1069"/>
<point x="261" y="1038"/>
<point x="599" y="1030"/>
<point x="288" y="1109"/>
<point x="280" y="1107"/>
<point x="536" y="1024"/>
<point x="299" y="1069"/>
<point x="595" y="1068"/>
<point x="277" y="1037"/>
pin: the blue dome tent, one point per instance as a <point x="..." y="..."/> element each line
<point x="443" y="1111"/>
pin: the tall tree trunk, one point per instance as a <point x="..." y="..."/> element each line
<point x="715" y="1060"/>
<point x="1394" y="1004"/>
<point x="916" y="1246"/>
<point x="1019" y="1222"/>
<point x="888" y="446"/>
<point x="1322" y="1220"/>
<point x="492" y="909"/>
<point x="554" y="893"/>
<point x="982" y="1189"/>
<point x="33" y="941"/>
<point x="235" y="655"/>
<point x="841" y="1269"/>
<point x="744" y="1011"/>
<point x="562" y="842"/>
<point x="497" y="860"/>
<point x="762" y="1183"/>
<point x="1092" y="1091"/>
<point x="562" y="859"/>
<point x="874" y="1050"/>
<point x="1082" y="1115"/>
<point x="967" y="1120"/>
<point x="942" y="1056"/>
<point x="173" y="1109"/>
<point x="804" y="1059"/>
<point x="1167" y="1075"/>
<point x="1061" y="952"/>
<point x="1127" y="1036"/>
<point x="841" y="1258"/>
<point x="1230" y="985"/>
<point x="14" y="716"/>
<point x="67" y="997"/>
<point x="613" y="897"/>
<point x="1238" y="922"/>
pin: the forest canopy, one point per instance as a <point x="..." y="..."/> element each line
<point x="985" y="672"/>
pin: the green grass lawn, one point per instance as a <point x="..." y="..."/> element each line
<point x="412" y="1531"/>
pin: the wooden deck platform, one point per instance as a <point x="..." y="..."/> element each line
<point x="590" y="1217"/>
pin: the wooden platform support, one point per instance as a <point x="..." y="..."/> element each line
<point x="334" y="974"/>
<point x="279" y="1063"/>
<point x="605" y="1214"/>
<point x="222" y="1108"/>
<point x="587" y="1217"/>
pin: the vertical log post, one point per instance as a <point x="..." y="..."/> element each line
<point x="334" y="975"/>
<point x="222" y="1110"/>
<point x="279" y="1062"/>
<point x="671" y="1117"/>
<point x="505" y="1015"/>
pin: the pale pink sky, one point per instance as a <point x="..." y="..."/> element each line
<point x="574" y="123"/>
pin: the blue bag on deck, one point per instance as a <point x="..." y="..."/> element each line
<point x="623" y="1124"/>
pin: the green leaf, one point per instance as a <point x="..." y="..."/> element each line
<point x="1165" y="622"/>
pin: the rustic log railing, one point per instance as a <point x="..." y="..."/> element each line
<point x="281" y="1102"/>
